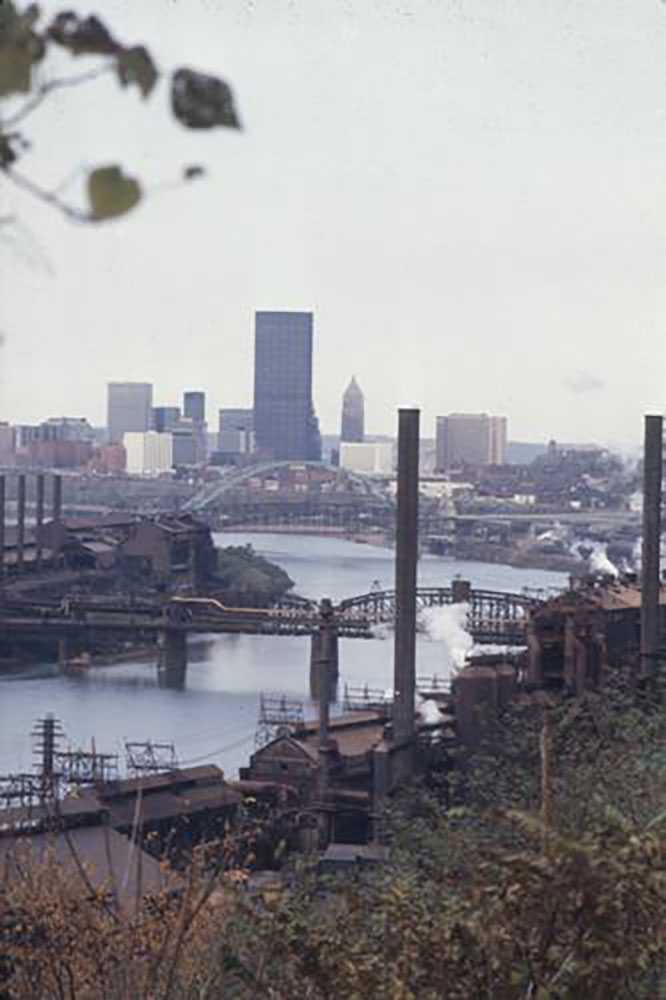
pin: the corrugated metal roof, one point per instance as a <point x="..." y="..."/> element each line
<point x="165" y="779"/>
<point x="349" y="720"/>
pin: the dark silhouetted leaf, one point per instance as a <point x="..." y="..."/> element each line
<point x="200" y="101"/>
<point x="111" y="193"/>
<point x="20" y="48"/>
<point x="7" y="153"/>
<point x="135" y="65"/>
<point x="193" y="171"/>
<point x="83" y="36"/>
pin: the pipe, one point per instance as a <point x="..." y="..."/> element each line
<point x="650" y="567"/>
<point x="406" y="557"/>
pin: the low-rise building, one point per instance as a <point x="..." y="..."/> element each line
<point x="149" y="453"/>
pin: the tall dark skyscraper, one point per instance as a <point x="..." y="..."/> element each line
<point x="352" y="425"/>
<point x="194" y="406"/>
<point x="285" y="424"/>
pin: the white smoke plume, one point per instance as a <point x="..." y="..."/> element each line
<point x="383" y="630"/>
<point x="596" y="555"/>
<point x="449" y="625"/>
<point x="429" y="711"/>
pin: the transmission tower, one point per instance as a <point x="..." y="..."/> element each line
<point x="150" y="758"/>
<point x="20" y="790"/>
<point x="82" y="767"/>
<point x="47" y="734"/>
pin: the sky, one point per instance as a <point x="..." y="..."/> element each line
<point x="470" y="195"/>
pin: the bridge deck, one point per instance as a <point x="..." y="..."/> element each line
<point x="492" y="616"/>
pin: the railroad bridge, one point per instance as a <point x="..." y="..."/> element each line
<point x="492" y="617"/>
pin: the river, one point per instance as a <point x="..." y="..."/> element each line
<point x="214" y="718"/>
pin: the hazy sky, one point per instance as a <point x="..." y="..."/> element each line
<point x="470" y="195"/>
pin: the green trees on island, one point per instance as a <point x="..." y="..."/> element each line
<point x="247" y="579"/>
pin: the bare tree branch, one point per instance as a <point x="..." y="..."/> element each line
<point x="49" y="86"/>
<point x="49" y="197"/>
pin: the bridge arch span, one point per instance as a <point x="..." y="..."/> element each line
<point x="238" y="479"/>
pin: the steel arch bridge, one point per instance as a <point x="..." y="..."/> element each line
<point x="237" y="480"/>
<point x="492" y="616"/>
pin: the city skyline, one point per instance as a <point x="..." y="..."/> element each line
<point x="493" y="243"/>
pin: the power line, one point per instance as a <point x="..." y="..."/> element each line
<point x="220" y="750"/>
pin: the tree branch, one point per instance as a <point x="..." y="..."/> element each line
<point x="49" y="197"/>
<point x="47" y="88"/>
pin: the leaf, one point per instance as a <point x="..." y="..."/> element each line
<point x="200" y="101"/>
<point x="20" y="48"/>
<point x="193" y="171"/>
<point x="135" y="65"/>
<point x="82" y="36"/>
<point x="111" y="193"/>
<point x="7" y="152"/>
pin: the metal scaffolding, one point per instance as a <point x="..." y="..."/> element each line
<point x="276" y="712"/>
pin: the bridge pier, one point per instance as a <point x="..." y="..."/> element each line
<point x="63" y="652"/>
<point x="172" y="662"/>
<point x="461" y="591"/>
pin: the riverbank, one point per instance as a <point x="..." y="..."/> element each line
<point x="467" y="551"/>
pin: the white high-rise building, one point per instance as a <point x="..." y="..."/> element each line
<point x="470" y="439"/>
<point x="149" y="453"/>
<point x="373" y="458"/>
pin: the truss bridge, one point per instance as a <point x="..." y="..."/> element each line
<point x="492" y="616"/>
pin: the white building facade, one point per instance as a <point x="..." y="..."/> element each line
<point x="371" y="458"/>
<point x="149" y="453"/>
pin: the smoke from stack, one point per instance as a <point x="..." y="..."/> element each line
<point x="595" y="554"/>
<point x="449" y="625"/>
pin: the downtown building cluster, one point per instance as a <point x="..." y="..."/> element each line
<point x="281" y="424"/>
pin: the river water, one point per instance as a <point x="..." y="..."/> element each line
<point x="214" y="717"/>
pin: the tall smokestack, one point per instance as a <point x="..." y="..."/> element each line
<point x="39" y="518"/>
<point x="650" y="569"/>
<point x="2" y="526"/>
<point x="57" y="498"/>
<point x="406" y="558"/>
<point x="20" y="520"/>
<point x="325" y="648"/>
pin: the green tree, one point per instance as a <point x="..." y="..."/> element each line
<point x="246" y="578"/>
<point x="198" y="101"/>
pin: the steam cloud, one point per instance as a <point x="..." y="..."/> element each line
<point x="596" y="555"/>
<point x="449" y="625"/>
